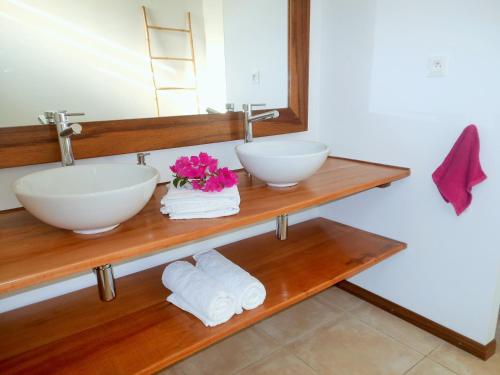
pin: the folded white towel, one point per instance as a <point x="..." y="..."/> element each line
<point x="204" y="215"/>
<point x="181" y="203"/>
<point x="197" y="293"/>
<point x="249" y="291"/>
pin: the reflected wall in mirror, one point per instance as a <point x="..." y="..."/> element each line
<point x="92" y="56"/>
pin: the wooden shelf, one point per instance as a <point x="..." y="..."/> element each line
<point x="140" y="332"/>
<point x="32" y="252"/>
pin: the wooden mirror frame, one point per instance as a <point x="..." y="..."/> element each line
<point x="37" y="144"/>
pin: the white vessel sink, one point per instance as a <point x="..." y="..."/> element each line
<point x="282" y="163"/>
<point x="87" y="199"/>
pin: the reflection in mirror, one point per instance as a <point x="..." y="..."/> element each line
<point x="94" y="56"/>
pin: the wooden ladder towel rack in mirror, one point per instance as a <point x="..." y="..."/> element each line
<point x="191" y="59"/>
<point x="27" y="145"/>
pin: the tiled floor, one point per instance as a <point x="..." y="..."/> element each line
<point x="334" y="333"/>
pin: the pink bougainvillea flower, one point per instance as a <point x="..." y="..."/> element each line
<point x="208" y="161"/>
<point x="203" y="173"/>
<point x="212" y="166"/>
<point x="226" y="177"/>
<point x="204" y="158"/>
<point x="202" y="170"/>
<point x="181" y="167"/>
<point x="195" y="160"/>
<point x="196" y="185"/>
<point x="212" y="185"/>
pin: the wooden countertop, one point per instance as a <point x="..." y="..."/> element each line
<point x="32" y="252"/>
<point x="140" y="333"/>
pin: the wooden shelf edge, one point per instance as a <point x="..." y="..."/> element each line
<point x="405" y="169"/>
<point x="141" y="333"/>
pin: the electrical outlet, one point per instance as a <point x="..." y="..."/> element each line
<point x="437" y="66"/>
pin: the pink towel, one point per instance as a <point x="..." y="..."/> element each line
<point x="460" y="171"/>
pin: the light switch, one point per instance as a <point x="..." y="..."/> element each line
<point x="256" y="77"/>
<point x="437" y="66"/>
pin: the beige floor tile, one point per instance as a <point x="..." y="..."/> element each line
<point x="230" y="355"/>
<point x="391" y="325"/>
<point x="298" y="320"/>
<point x="173" y="370"/>
<point x="283" y="362"/>
<point x="464" y="363"/>
<point x="428" y="367"/>
<point x="352" y="347"/>
<point x="338" y="298"/>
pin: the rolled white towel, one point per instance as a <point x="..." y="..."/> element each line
<point x="186" y="201"/>
<point x="249" y="291"/>
<point x="197" y="293"/>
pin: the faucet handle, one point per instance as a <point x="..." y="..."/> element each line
<point x="43" y="120"/>
<point x="77" y="128"/>
<point x="212" y="111"/>
<point x="47" y="117"/>
<point x="72" y="129"/>
<point x="249" y="107"/>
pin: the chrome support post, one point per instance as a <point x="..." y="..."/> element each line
<point x="105" y="282"/>
<point x="282" y="227"/>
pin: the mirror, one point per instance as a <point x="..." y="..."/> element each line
<point x="93" y="56"/>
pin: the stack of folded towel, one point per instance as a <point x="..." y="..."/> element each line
<point x="181" y="203"/>
<point x="214" y="290"/>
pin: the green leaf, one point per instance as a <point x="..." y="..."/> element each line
<point x="183" y="182"/>
<point x="176" y="182"/>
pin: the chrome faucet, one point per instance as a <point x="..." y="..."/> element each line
<point x="65" y="130"/>
<point x="250" y="118"/>
<point x="141" y="158"/>
<point x="212" y="111"/>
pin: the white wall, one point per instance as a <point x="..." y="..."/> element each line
<point x="256" y="40"/>
<point x="380" y="105"/>
<point x="161" y="160"/>
<point x="213" y="72"/>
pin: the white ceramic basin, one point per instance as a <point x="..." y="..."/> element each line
<point x="282" y="163"/>
<point x="87" y="199"/>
